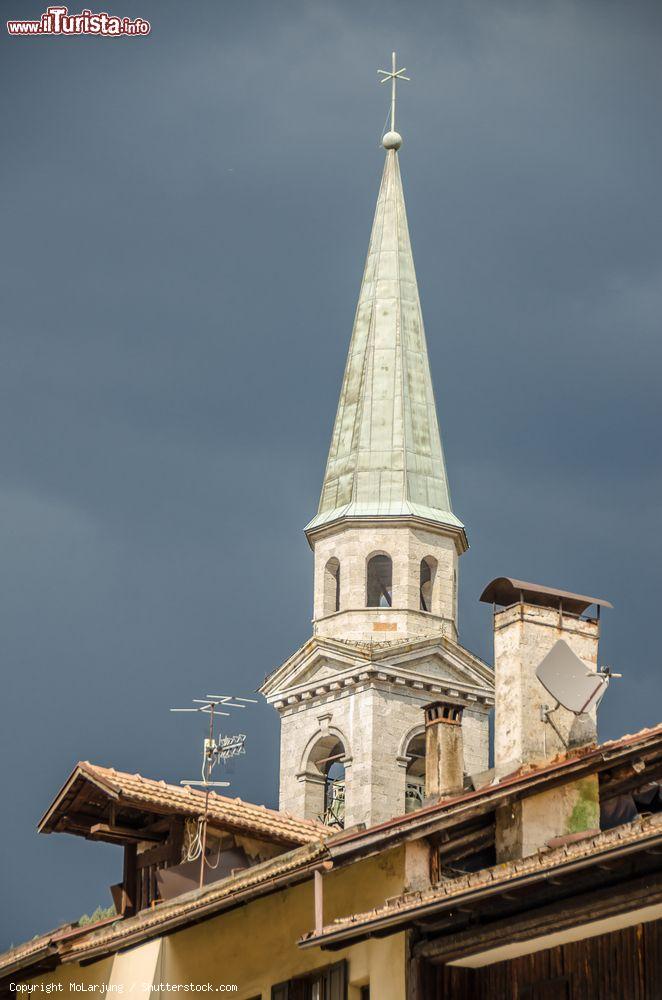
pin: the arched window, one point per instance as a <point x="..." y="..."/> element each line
<point x="325" y="781"/>
<point x="332" y="586"/>
<point x="379" y="589"/>
<point x="327" y="759"/>
<point x="428" y="571"/>
<point x="415" y="788"/>
<point x="334" y="790"/>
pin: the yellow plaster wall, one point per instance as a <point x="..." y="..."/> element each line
<point x="254" y="946"/>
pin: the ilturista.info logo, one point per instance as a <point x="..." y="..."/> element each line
<point x="58" y="21"/>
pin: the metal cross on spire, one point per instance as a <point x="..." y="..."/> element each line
<point x="394" y="75"/>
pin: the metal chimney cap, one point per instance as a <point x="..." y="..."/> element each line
<point x="505" y="590"/>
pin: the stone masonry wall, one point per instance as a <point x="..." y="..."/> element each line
<point x="353" y="547"/>
<point x="523" y="635"/>
<point x="375" y="722"/>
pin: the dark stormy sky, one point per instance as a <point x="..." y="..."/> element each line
<point x="184" y="222"/>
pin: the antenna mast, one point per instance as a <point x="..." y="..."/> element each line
<point x="213" y="751"/>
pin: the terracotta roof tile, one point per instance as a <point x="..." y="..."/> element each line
<point x="134" y="789"/>
<point x="45" y="943"/>
<point x="25" y="951"/>
<point x="455" y="888"/>
<point x="71" y="943"/>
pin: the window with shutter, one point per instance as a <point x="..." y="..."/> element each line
<point x="329" y="983"/>
<point x="300" y="990"/>
<point x="336" y="979"/>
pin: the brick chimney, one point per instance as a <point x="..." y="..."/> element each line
<point x="444" y="751"/>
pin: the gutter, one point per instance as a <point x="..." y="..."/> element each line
<point x="50" y="946"/>
<point x="47" y="950"/>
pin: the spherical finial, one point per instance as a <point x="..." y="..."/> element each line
<point x="392" y="140"/>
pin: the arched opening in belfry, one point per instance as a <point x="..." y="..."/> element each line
<point x="327" y="758"/>
<point x="379" y="582"/>
<point x="415" y="782"/>
<point x="427" y="575"/>
<point x="334" y="791"/>
<point x="332" y="586"/>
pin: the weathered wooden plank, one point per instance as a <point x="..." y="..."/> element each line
<point x="623" y="965"/>
<point x="129" y="882"/>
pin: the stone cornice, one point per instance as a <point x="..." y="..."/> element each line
<point x="424" y="686"/>
<point x="457" y="533"/>
<point x="359" y="656"/>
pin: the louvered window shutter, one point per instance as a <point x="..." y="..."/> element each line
<point x="336" y="981"/>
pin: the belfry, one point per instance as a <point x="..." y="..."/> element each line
<point x="386" y="546"/>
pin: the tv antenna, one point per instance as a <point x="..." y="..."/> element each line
<point x="214" y="750"/>
<point x="571" y="683"/>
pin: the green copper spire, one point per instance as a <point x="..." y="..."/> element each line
<point x="386" y="457"/>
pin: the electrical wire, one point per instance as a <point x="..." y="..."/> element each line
<point x="218" y="859"/>
<point x="193" y="839"/>
<point x="385" y="129"/>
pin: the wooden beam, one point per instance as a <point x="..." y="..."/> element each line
<point x="81" y="824"/>
<point x="413" y="972"/>
<point x="122" y="833"/>
<point x="631" y="780"/>
<point x="162" y="853"/>
<point x="463" y="833"/>
<point x="445" y="924"/>
<point x="87" y="823"/>
<point x="129" y="881"/>
<point x="176" y="839"/>
<point x="471" y="843"/>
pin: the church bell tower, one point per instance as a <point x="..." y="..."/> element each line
<point x="386" y="546"/>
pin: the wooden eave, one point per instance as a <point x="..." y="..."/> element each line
<point x="88" y="807"/>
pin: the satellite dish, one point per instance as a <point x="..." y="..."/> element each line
<point x="569" y="680"/>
